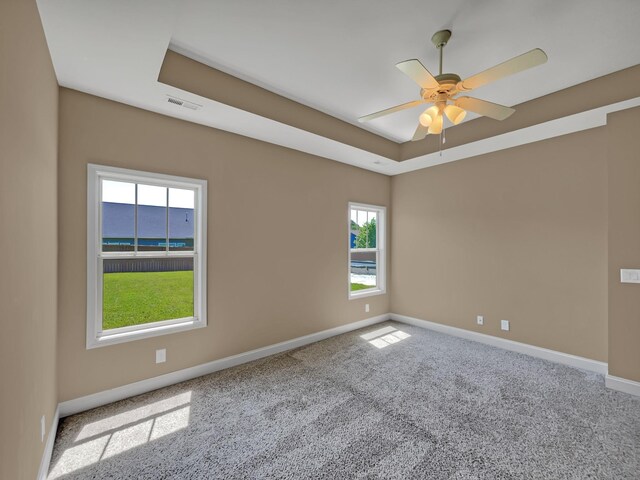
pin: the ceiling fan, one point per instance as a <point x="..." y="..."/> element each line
<point x="443" y="90"/>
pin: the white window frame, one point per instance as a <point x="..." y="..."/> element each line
<point x="96" y="337"/>
<point x="381" y="262"/>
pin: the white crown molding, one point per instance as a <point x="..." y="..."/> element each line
<point x="531" y="350"/>
<point x="127" y="72"/>
<point x="189" y="52"/>
<point x="586" y="120"/>
<point x="88" y="402"/>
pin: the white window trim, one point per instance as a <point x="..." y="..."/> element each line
<point x="381" y="233"/>
<point x="95" y="335"/>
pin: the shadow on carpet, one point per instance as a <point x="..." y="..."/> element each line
<point x="389" y="401"/>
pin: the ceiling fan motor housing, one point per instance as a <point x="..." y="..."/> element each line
<point x="447" y="81"/>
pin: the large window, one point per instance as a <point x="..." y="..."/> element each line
<point x="146" y="254"/>
<point x="366" y="250"/>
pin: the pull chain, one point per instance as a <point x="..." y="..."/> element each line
<point x="443" y="140"/>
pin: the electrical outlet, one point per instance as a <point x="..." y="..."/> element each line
<point x="43" y="428"/>
<point x="480" y="320"/>
<point x="504" y="325"/>
<point x="366" y="307"/>
<point x="161" y="355"/>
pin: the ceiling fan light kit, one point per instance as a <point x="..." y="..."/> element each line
<point x="428" y="116"/>
<point x="436" y="125"/>
<point x="443" y="89"/>
<point x="455" y="114"/>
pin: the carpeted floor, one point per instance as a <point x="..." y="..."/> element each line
<point x="388" y="401"/>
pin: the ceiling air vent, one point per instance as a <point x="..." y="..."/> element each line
<point x="183" y="103"/>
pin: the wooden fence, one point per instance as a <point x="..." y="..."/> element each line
<point x="171" y="264"/>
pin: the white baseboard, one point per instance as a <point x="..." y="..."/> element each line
<point x="539" y="352"/>
<point x="622" y="385"/>
<point x="88" y="402"/>
<point x="48" y="447"/>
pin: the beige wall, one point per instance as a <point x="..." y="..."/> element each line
<point x="601" y="91"/>
<point x="28" y="238"/>
<point x="262" y="198"/>
<point x="623" y="157"/>
<point x="192" y="76"/>
<point x="519" y="234"/>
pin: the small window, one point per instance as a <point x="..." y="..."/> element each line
<point x="366" y="250"/>
<point x="146" y="268"/>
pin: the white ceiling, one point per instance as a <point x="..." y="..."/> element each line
<point x="338" y="56"/>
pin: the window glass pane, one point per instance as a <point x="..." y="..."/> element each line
<point x="363" y="270"/>
<point x="363" y="229"/>
<point x="145" y="290"/>
<point x="181" y="219"/>
<point x="118" y="223"/>
<point x="152" y="218"/>
<point x="354" y="228"/>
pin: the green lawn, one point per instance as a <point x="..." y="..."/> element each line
<point x="143" y="297"/>
<point x="359" y="286"/>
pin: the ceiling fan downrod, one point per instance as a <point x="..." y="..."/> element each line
<point x="440" y="39"/>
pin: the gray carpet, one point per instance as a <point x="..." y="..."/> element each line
<point x="405" y="403"/>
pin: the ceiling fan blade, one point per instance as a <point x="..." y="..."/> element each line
<point x="418" y="73"/>
<point x="487" y="109"/>
<point x="517" y="64"/>
<point x="397" y="108"/>
<point x="421" y="132"/>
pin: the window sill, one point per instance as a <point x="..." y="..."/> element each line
<point x="366" y="293"/>
<point x="152" y="331"/>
